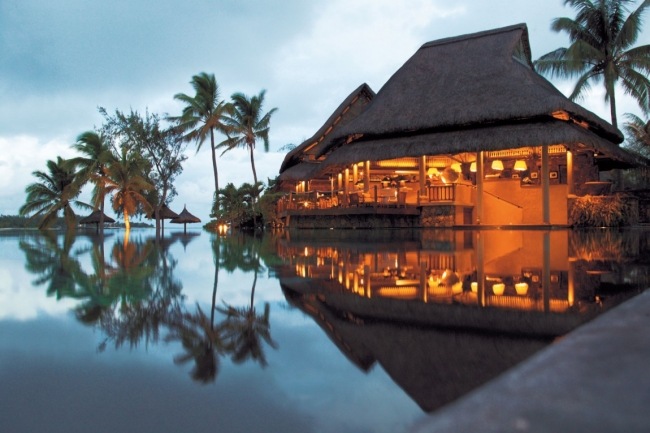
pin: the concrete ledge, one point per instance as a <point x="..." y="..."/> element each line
<point x="596" y="379"/>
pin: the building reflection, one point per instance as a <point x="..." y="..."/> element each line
<point x="444" y="311"/>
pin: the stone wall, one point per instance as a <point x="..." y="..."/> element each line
<point x="364" y="221"/>
<point x="437" y="216"/>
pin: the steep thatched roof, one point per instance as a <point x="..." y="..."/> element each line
<point x="95" y="217"/>
<point x="165" y="213"/>
<point x="350" y="108"/>
<point x="185" y="217"/>
<point x="487" y="138"/>
<point x="470" y="92"/>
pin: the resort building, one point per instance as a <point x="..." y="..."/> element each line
<point x="464" y="133"/>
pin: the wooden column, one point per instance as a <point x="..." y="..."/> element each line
<point x="546" y="195"/>
<point x="480" y="267"/>
<point x="569" y="171"/>
<point x="366" y="175"/>
<point x="546" y="272"/>
<point x="423" y="173"/>
<point x="479" y="187"/>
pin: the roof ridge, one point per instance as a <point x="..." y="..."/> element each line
<point x="483" y="33"/>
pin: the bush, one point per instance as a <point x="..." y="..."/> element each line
<point x="598" y="211"/>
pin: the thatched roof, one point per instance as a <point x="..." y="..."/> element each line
<point x="350" y="108"/>
<point x="487" y="138"/>
<point x="165" y="213"/>
<point x="95" y="217"/>
<point x="464" y="93"/>
<point x="185" y="217"/>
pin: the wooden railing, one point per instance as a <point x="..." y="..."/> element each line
<point x="441" y="192"/>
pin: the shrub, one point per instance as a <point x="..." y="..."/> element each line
<point x="598" y="211"/>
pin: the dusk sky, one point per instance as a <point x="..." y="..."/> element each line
<point x="60" y="60"/>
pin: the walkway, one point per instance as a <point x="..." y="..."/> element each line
<point x="596" y="379"/>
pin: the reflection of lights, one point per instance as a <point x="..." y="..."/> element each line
<point x="498" y="289"/>
<point x="521" y="288"/>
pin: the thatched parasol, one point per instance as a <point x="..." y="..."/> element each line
<point x="96" y="218"/>
<point x="185" y="217"/>
<point x="165" y="214"/>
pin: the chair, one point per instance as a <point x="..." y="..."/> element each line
<point x="354" y="199"/>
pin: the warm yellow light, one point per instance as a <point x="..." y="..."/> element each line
<point x="520" y="165"/>
<point x="457" y="288"/>
<point x="432" y="172"/>
<point x="472" y="167"/>
<point x="521" y="288"/>
<point x="497" y="164"/>
<point x="456" y="167"/>
<point x="498" y="289"/>
<point x="474" y="286"/>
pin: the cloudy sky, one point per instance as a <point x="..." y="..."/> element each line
<point x="60" y="60"/>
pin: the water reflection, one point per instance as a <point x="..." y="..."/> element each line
<point x="132" y="295"/>
<point x="444" y="311"/>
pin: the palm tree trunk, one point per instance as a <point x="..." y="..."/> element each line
<point x="127" y="227"/>
<point x="253" y="166"/>
<point x="254" y="186"/>
<point x="214" y="168"/>
<point x="610" y="90"/>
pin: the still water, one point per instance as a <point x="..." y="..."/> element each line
<point x="291" y="332"/>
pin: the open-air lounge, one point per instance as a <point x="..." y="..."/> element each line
<point x="465" y="133"/>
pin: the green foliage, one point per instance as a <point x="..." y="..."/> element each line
<point x="203" y="114"/>
<point x="161" y="147"/>
<point x="602" y="36"/>
<point x="55" y="191"/>
<point x="599" y="211"/>
<point x="246" y="124"/>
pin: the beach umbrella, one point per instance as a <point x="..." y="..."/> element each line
<point x="95" y="218"/>
<point x="185" y="217"/>
<point x="165" y="214"/>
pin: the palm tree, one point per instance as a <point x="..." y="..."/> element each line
<point x="601" y="49"/>
<point x="232" y="204"/>
<point x="247" y="124"/>
<point x="638" y="132"/>
<point x="56" y="191"/>
<point x="96" y="156"/>
<point x="127" y="183"/>
<point x="202" y="115"/>
<point x="251" y="196"/>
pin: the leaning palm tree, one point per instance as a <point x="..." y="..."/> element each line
<point x="601" y="50"/>
<point x="202" y="115"/>
<point x="95" y="157"/>
<point x="55" y="191"/>
<point x="128" y="184"/>
<point x="247" y="124"/>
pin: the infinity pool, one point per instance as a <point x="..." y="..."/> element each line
<point x="291" y="332"/>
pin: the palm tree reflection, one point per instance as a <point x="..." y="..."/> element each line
<point x="132" y="295"/>
<point x="201" y="342"/>
<point x="244" y="330"/>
